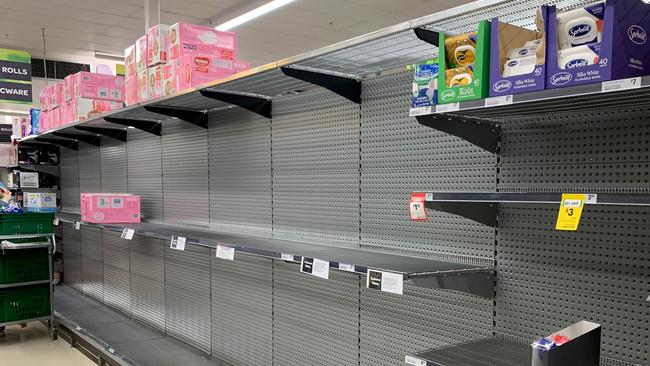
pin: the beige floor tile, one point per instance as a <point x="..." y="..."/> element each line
<point x="31" y="346"/>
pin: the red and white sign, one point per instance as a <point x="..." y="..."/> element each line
<point x="417" y="211"/>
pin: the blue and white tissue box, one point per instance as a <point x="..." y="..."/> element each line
<point x="425" y="88"/>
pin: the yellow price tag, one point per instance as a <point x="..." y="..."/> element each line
<point x="570" y="211"/>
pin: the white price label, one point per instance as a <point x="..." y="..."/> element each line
<point x="623" y="84"/>
<point x="444" y="108"/>
<point x="315" y="267"/>
<point x="225" y="252"/>
<point x="648" y="299"/>
<point x="347" y="267"/>
<point x="128" y="233"/>
<point x="497" y="101"/>
<point x="414" y="361"/>
<point x="178" y="243"/>
<point x="420" y="111"/>
<point x="56" y="221"/>
<point x="591" y="199"/>
<point x="77" y="225"/>
<point x="385" y="281"/>
<point x="111" y="350"/>
<point x="286" y="256"/>
<point x="28" y="180"/>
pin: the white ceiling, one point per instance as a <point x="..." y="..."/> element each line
<point x="76" y="28"/>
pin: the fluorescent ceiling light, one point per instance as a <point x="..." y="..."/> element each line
<point x="257" y="12"/>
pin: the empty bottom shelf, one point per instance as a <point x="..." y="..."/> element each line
<point x="485" y="352"/>
<point x="132" y="342"/>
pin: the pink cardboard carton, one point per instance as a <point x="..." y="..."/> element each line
<point x="192" y="70"/>
<point x="131" y="90"/>
<point x="110" y="208"/>
<point x="130" y="70"/>
<point x="155" y="76"/>
<point x="45" y="98"/>
<point x="83" y="108"/>
<point x="98" y="86"/>
<point x="68" y="88"/>
<point x="60" y="93"/>
<point x="239" y="66"/>
<point x="54" y="118"/>
<point x="157" y="45"/>
<point x="143" y="86"/>
<point x="184" y="38"/>
<point x="141" y="54"/>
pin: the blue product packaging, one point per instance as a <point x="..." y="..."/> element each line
<point x="35" y="115"/>
<point x="425" y="88"/>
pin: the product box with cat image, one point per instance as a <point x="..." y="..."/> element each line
<point x="463" y="72"/>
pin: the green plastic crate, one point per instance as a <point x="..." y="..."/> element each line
<point x="26" y="223"/>
<point x="24" y="303"/>
<point x="24" y="265"/>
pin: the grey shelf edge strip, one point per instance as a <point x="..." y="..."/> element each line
<point x="611" y="199"/>
<point x="21" y="284"/>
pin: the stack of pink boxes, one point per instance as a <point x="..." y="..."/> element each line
<point x="80" y="96"/>
<point x="110" y="208"/>
<point x="173" y="58"/>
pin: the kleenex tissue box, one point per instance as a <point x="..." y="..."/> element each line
<point x="616" y="48"/>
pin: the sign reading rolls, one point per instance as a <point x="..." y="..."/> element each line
<point x="15" y="76"/>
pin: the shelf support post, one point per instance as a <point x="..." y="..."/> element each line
<point x="150" y="126"/>
<point x="482" y="133"/>
<point x="482" y="212"/>
<point x="475" y="283"/>
<point x="428" y="36"/>
<point x="113" y="133"/>
<point x="86" y="138"/>
<point x="254" y="103"/>
<point x="193" y="116"/>
<point x="70" y="144"/>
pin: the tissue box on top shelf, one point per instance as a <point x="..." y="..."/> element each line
<point x="463" y="72"/>
<point x="141" y="54"/>
<point x="155" y="77"/>
<point x="45" y="98"/>
<point x="142" y="83"/>
<point x="184" y="38"/>
<point x="157" y="44"/>
<point x="56" y="95"/>
<point x="518" y="57"/>
<point x="129" y="62"/>
<point x="425" y="88"/>
<point x="39" y="202"/>
<point x="131" y="90"/>
<point x="622" y="52"/>
<point x="192" y="70"/>
<point x="68" y="88"/>
<point x="81" y="109"/>
<point x="110" y="208"/>
<point x="60" y="93"/>
<point x="98" y="86"/>
<point x="239" y="66"/>
<point x="54" y="117"/>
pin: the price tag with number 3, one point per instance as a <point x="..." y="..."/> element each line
<point x="568" y="218"/>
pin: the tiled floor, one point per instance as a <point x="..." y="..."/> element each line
<point x="31" y="346"/>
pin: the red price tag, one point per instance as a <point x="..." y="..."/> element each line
<point x="417" y="211"/>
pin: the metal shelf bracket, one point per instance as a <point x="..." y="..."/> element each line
<point x="482" y="133"/>
<point x="113" y="133"/>
<point x="70" y="144"/>
<point x="150" y="126"/>
<point x="86" y="138"/>
<point x="475" y="283"/>
<point x="261" y="105"/>
<point x="482" y="212"/>
<point x="428" y="36"/>
<point x="193" y="116"/>
<point x="344" y="86"/>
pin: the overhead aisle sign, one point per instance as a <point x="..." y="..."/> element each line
<point x="15" y="77"/>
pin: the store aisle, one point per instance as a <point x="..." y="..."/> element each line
<point x="31" y="346"/>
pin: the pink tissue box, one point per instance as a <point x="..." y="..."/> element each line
<point x="141" y="54"/>
<point x="131" y="90"/>
<point x="184" y="38"/>
<point x="45" y="98"/>
<point x="239" y="66"/>
<point x="60" y="93"/>
<point x="157" y="45"/>
<point x="110" y="208"/>
<point x="68" y="88"/>
<point x="81" y="109"/>
<point x="98" y="86"/>
<point x="129" y="62"/>
<point x="155" y="76"/>
<point x="143" y="86"/>
<point x="192" y="70"/>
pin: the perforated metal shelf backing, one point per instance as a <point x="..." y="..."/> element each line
<point x="187" y="295"/>
<point x="242" y="310"/>
<point x="400" y="156"/>
<point x="316" y="169"/>
<point x="240" y="171"/>
<point x="89" y="168"/>
<point x="92" y="262"/>
<point x="113" y="165"/>
<point x="186" y="199"/>
<point x="69" y="167"/>
<point x="117" y="271"/>
<point x="148" y="281"/>
<point x="72" y="257"/>
<point x="144" y="172"/>
<point x="394" y="325"/>
<point x="316" y="321"/>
